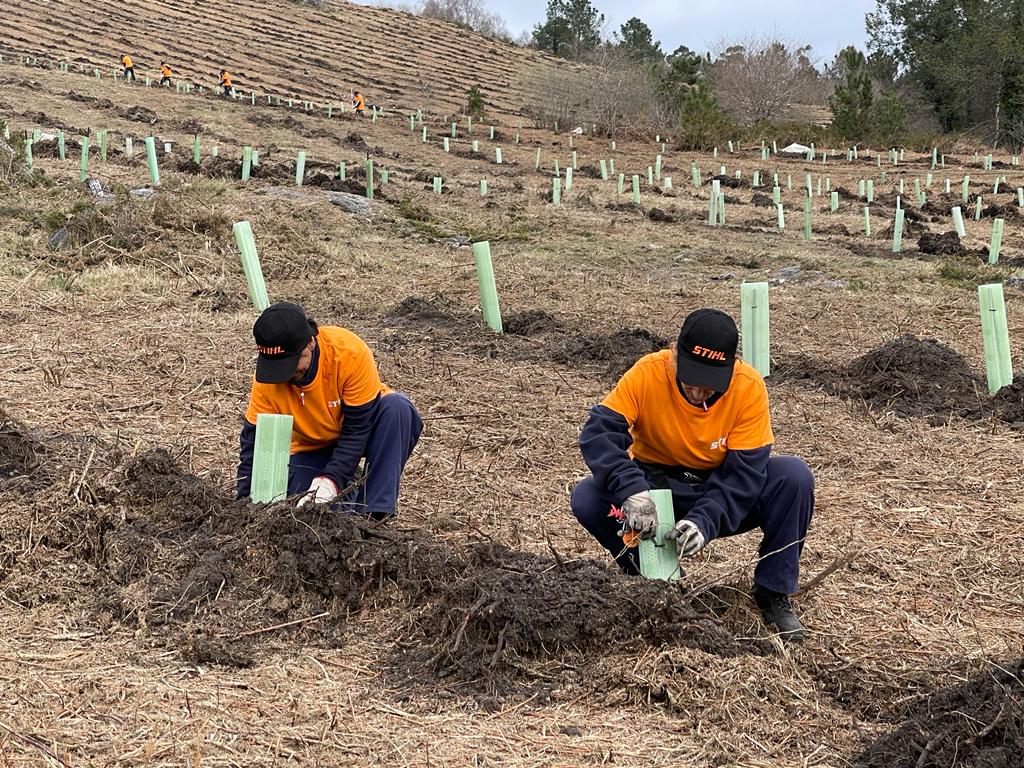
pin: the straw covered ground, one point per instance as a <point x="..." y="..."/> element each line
<point x="149" y="619"/>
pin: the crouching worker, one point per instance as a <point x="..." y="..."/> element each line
<point x="694" y="419"/>
<point x="326" y="379"/>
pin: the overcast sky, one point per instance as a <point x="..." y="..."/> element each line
<point x="702" y="24"/>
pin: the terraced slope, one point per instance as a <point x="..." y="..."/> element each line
<point x="396" y="59"/>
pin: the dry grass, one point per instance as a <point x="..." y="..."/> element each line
<point x="148" y="346"/>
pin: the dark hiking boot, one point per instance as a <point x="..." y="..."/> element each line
<point x="778" y="614"/>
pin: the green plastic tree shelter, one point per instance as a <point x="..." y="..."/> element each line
<point x="497" y="155"/>
<point x="483" y="187"/>
<point x="754" y="344"/>
<point x="834" y="202"/>
<point x="996" y="336"/>
<point x="129" y="147"/>
<point x="604" y="170"/>
<point x="636" y="190"/>
<point x="997" y="241"/>
<point x="369" y="179"/>
<point x="867" y="221"/>
<point x="246" y="162"/>
<point x="437" y="185"/>
<point x="60" y="145"/>
<point x="447" y="144"/>
<point x="659" y="558"/>
<point x="667" y="182"/>
<point x="154" y="171"/>
<point x="977" y="209"/>
<point x="488" y="290"/>
<point x="620" y="183"/>
<point x="807" y="218"/>
<point x="897" y="231"/>
<point x="342" y="170"/>
<point x="28" y="153"/>
<point x="568" y="180"/>
<point x="102" y="137"/>
<point x="556" y="191"/>
<point x="300" y="167"/>
<point x="782" y="215"/>
<point x="83" y="164"/>
<point x="269" y="480"/>
<point x="251" y="265"/>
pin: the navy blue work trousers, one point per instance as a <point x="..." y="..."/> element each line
<point x="393" y="436"/>
<point x="783" y="513"/>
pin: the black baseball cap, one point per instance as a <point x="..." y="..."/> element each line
<point x="706" y="350"/>
<point x="282" y="331"/>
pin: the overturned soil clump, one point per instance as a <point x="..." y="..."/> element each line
<point x="531" y="322"/>
<point x="943" y="244"/>
<point x="913" y="377"/>
<point x="618" y="350"/>
<point x="207" y="574"/>
<point x="979" y="723"/>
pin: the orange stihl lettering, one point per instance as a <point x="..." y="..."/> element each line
<point x="711" y="354"/>
<point x="270" y="350"/>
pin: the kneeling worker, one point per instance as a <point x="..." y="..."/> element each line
<point x="694" y="419"/>
<point x="165" y="74"/>
<point x="327" y="380"/>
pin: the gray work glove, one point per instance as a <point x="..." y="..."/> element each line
<point x="640" y="513"/>
<point x="688" y="538"/>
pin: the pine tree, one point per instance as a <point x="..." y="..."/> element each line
<point x="852" y="101"/>
<point x="702" y="122"/>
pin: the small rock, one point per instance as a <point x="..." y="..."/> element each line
<point x="59" y="239"/>
<point x="1015" y="282"/>
<point x="457" y="241"/>
<point x="97" y="191"/>
<point x="350" y="203"/>
<point x="723" y="277"/>
<point x="775" y="281"/>
<point x="788" y="273"/>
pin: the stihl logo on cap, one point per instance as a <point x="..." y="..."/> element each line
<point x="270" y="350"/>
<point x="710" y="354"/>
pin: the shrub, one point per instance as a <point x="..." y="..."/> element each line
<point x="702" y="122"/>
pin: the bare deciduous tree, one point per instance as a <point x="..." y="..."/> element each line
<point x="613" y="94"/>
<point x="471" y="14"/>
<point x="762" y="78"/>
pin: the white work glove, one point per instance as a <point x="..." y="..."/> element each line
<point x="688" y="538"/>
<point x="321" y="491"/>
<point x="640" y="514"/>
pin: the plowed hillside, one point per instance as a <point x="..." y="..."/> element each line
<point x="397" y="59"/>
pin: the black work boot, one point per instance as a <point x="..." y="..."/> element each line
<point x="778" y="614"/>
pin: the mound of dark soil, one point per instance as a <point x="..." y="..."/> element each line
<point x="618" y="350"/>
<point x="529" y="323"/>
<point x="192" y="125"/>
<point x="589" y="171"/>
<point x="140" y="115"/>
<point x="939" y="245"/>
<point x="914" y="377"/>
<point x="1009" y="403"/>
<point x="996" y="211"/>
<point x="656" y="214"/>
<point x="19" y="453"/>
<point x="726" y="181"/>
<point x="762" y="201"/>
<point x="978" y="724"/>
<point x="355" y="141"/>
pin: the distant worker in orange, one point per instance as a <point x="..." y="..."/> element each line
<point x="225" y="82"/>
<point x="129" y="67"/>
<point x="165" y="74"/>
<point x="359" y="104"/>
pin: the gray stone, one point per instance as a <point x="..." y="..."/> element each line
<point x="788" y="273"/>
<point x="143" y="192"/>
<point x="723" y="277"/>
<point x="351" y="203"/>
<point x="1015" y="282"/>
<point x="59" y="239"/>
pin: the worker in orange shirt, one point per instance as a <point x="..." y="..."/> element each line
<point x="326" y="379"/>
<point x="165" y="74"/>
<point x="225" y="82"/>
<point x="359" y="104"/>
<point x="129" y="67"/>
<point x="694" y="419"/>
